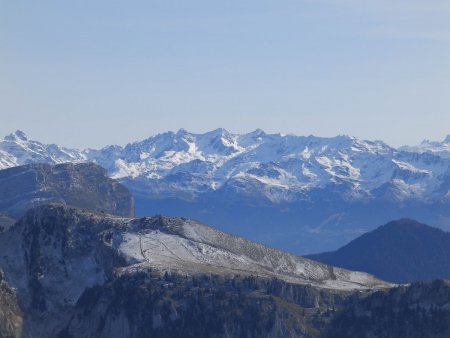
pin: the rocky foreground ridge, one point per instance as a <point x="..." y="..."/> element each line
<point x="73" y="273"/>
<point x="56" y="254"/>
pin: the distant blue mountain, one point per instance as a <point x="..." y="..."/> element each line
<point x="401" y="251"/>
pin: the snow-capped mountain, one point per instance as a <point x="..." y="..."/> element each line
<point x="281" y="167"/>
<point x="16" y="149"/>
<point x="434" y="147"/>
<point x="320" y="191"/>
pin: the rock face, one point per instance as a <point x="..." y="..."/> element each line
<point x="401" y="251"/>
<point x="146" y="305"/>
<point x="6" y="222"/>
<point x="421" y="310"/>
<point x="85" y="185"/>
<point x="11" y="316"/>
<point x="66" y="263"/>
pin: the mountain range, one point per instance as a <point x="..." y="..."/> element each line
<point x="301" y="194"/>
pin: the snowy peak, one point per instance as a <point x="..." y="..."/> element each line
<point x="216" y="142"/>
<point x="16" y="149"/>
<point x="18" y="135"/>
<point x="433" y="147"/>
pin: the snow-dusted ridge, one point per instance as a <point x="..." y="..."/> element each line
<point x="161" y="243"/>
<point x="188" y="246"/>
<point x="279" y="167"/>
<point x="16" y="149"/>
<point x="59" y="258"/>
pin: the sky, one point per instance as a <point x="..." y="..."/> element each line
<point x="91" y="73"/>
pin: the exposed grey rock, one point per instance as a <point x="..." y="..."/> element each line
<point x="6" y="222"/>
<point x="146" y="305"/>
<point x="11" y="317"/>
<point x="421" y="310"/>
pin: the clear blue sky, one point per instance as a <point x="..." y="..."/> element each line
<point x="90" y="73"/>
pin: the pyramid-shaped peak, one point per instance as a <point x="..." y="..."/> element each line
<point x="257" y="133"/>
<point x="182" y="131"/>
<point x="218" y="131"/>
<point x="17" y="135"/>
